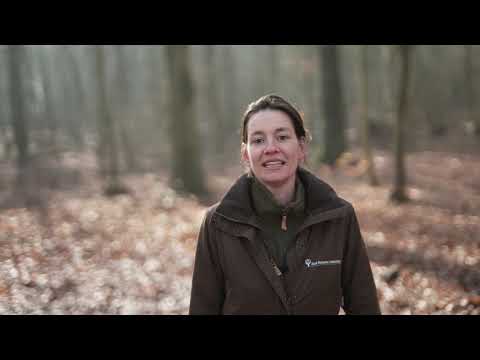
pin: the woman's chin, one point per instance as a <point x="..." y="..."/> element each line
<point x="274" y="179"/>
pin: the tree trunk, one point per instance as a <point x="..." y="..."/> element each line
<point x="213" y="101"/>
<point x="17" y="57"/>
<point x="372" y="177"/>
<point x="50" y="113"/>
<point x="272" y="64"/>
<point x="333" y="104"/>
<point x="123" y="105"/>
<point x="74" y="98"/>
<point x="470" y="90"/>
<point x="108" y="141"/>
<point x="398" y="193"/>
<point x="231" y="109"/>
<point x="187" y="169"/>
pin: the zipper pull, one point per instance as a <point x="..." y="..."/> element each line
<point x="284" y="222"/>
<point x="277" y="270"/>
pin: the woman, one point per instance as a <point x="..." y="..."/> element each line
<point x="280" y="241"/>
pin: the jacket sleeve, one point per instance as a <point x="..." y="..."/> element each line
<point x="359" y="290"/>
<point x="207" y="294"/>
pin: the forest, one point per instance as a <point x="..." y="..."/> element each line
<point x="110" y="155"/>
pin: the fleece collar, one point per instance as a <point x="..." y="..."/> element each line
<point x="265" y="204"/>
<point x="321" y="201"/>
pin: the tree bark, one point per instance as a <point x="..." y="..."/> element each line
<point x="333" y="104"/>
<point x="50" y="113"/>
<point x="470" y="90"/>
<point x="17" y="57"/>
<point x="107" y="131"/>
<point x="398" y="193"/>
<point x="213" y="101"/>
<point x="372" y="177"/>
<point x="123" y="104"/>
<point x="187" y="170"/>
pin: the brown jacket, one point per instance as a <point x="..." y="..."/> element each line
<point x="328" y="263"/>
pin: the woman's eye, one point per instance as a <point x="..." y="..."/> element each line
<point x="257" y="141"/>
<point x="283" y="137"/>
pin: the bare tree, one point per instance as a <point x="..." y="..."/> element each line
<point x="333" y="104"/>
<point x="108" y="142"/>
<point x="187" y="169"/>
<point x="49" y="102"/>
<point x="17" y="57"/>
<point x="473" y="117"/>
<point x="213" y="100"/>
<point x="273" y="73"/>
<point x="364" y="115"/>
<point x="122" y="105"/>
<point x="398" y="193"/>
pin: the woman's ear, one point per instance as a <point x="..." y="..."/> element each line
<point x="303" y="149"/>
<point x="244" y="155"/>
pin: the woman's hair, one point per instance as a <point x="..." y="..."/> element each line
<point x="275" y="102"/>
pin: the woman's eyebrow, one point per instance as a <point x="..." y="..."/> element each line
<point x="259" y="132"/>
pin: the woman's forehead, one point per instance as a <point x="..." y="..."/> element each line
<point x="269" y="121"/>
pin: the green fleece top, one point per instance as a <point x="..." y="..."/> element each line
<point x="270" y="214"/>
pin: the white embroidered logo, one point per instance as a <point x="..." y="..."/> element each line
<point x="309" y="263"/>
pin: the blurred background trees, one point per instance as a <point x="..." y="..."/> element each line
<point x="161" y="123"/>
<point x="178" y="108"/>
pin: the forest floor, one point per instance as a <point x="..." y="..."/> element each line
<point x="74" y="251"/>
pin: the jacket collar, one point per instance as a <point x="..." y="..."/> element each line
<point x="321" y="201"/>
<point x="265" y="204"/>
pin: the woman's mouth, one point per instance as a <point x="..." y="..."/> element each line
<point x="273" y="164"/>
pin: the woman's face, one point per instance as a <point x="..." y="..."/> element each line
<point x="273" y="150"/>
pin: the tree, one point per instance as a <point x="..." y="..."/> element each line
<point x="333" y="104"/>
<point x="49" y="102"/>
<point x="17" y="57"/>
<point x="123" y="103"/>
<point x="230" y="99"/>
<point x="187" y="170"/>
<point x="364" y="116"/>
<point x="272" y="82"/>
<point x="108" y="143"/>
<point x="213" y="100"/>
<point x="470" y="89"/>
<point x="398" y="193"/>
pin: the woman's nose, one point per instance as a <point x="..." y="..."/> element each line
<point x="271" y="148"/>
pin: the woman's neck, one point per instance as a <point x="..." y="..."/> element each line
<point x="284" y="193"/>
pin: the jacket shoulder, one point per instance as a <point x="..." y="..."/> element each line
<point x="211" y="214"/>
<point x="348" y="208"/>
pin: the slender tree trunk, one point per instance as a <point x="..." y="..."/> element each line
<point x="123" y="104"/>
<point x="333" y="104"/>
<point x="74" y="97"/>
<point x="272" y="74"/>
<point x="372" y="177"/>
<point x="213" y="101"/>
<point x="232" y="108"/>
<point x="16" y="59"/>
<point x="108" y="141"/>
<point x="187" y="168"/>
<point x="470" y="89"/>
<point x="398" y="193"/>
<point x="6" y="141"/>
<point x="50" y="113"/>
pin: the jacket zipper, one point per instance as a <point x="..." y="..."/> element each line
<point x="284" y="221"/>
<point x="277" y="270"/>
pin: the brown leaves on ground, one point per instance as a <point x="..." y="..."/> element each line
<point x="93" y="254"/>
<point x="425" y="254"/>
<point x="85" y="253"/>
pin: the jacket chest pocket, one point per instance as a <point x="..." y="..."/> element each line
<point x="321" y="280"/>
<point x="328" y="273"/>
